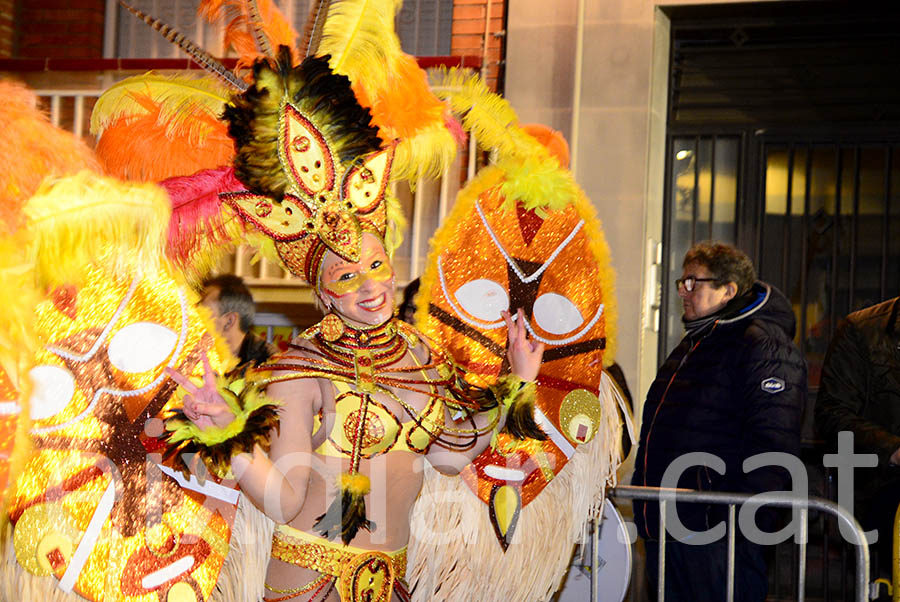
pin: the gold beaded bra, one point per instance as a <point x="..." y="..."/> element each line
<point x="361" y="362"/>
<point x="382" y="431"/>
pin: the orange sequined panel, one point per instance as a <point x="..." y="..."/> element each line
<point x="9" y="423"/>
<point x="93" y="507"/>
<point x="555" y="267"/>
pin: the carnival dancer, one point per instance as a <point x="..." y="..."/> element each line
<point x="363" y="397"/>
<point x="375" y="402"/>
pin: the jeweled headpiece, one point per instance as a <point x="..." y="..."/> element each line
<point x="312" y="163"/>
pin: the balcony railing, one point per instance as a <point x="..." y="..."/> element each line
<point x="69" y="88"/>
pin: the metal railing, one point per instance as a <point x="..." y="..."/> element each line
<point x="845" y="519"/>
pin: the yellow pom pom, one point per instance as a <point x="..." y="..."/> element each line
<point x="357" y="484"/>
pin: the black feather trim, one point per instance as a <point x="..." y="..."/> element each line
<point x="346" y="515"/>
<point x="520" y="421"/>
<point x="325" y="98"/>
<point x="217" y="458"/>
<point x="518" y="397"/>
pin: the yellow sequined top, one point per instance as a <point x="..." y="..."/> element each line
<point x="364" y="365"/>
<point x="383" y="431"/>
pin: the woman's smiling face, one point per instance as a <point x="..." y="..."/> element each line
<point x="361" y="292"/>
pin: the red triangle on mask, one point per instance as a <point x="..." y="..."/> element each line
<point x="65" y="300"/>
<point x="529" y="223"/>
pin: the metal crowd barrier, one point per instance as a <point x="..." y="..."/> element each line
<point x="732" y="500"/>
<point x="893" y="584"/>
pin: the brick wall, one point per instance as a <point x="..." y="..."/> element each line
<point x="7" y="30"/>
<point x="61" y="28"/>
<point x="468" y="33"/>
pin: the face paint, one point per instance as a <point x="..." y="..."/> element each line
<point x="350" y="282"/>
<point x="361" y="292"/>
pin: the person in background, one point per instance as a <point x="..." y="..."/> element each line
<point x="860" y="393"/>
<point x="734" y="387"/>
<point x="406" y="311"/>
<point x="233" y="311"/>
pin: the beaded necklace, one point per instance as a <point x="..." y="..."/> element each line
<point x="367" y="358"/>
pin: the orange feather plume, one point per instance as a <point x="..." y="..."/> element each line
<point x="140" y="147"/>
<point x="241" y="23"/>
<point x="405" y="105"/>
<point x="32" y="149"/>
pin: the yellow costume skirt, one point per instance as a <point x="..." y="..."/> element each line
<point x="359" y="574"/>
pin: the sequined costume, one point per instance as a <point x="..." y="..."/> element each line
<point x="359" y="369"/>
<point x="541" y="248"/>
<point x="362" y="364"/>
<point x="96" y="512"/>
<point x="381" y="572"/>
<point x="309" y="180"/>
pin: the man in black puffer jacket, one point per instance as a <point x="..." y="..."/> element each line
<point x="734" y="387"/>
<point x="860" y="393"/>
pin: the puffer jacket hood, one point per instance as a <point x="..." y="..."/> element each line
<point x="762" y="302"/>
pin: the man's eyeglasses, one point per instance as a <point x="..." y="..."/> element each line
<point x="689" y="282"/>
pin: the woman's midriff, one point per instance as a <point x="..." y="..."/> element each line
<point x="396" y="478"/>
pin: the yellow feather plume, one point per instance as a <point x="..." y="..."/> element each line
<point x="86" y="218"/>
<point x="426" y="154"/>
<point x="182" y="99"/>
<point x="359" y="36"/>
<point x="532" y="175"/>
<point x="396" y="224"/>
<point x="538" y="182"/>
<point x="487" y="115"/>
<point x="18" y="298"/>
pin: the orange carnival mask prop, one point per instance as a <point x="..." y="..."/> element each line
<point x="551" y="261"/>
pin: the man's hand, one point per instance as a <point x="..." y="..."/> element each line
<point x="203" y="406"/>
<point x="524" y="355"/>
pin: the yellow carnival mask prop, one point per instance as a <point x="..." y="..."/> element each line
<point x="96" y="507"/>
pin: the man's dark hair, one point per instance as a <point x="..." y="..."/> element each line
<point x="234" y="296"/>
<point x="407" y="306"/>
<point x="724" y="262"/>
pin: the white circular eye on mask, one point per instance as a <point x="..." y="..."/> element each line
<point x="54" y="387"/>
<point x="141" y="347"/>
<point x="556" y="314"/>
<point x="483" y="299"/>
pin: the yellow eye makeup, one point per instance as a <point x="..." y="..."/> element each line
<point x="344" y="286"/>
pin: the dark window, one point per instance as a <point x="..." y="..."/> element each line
<point x="423" y="27"/>
<point x="783" y="133"/>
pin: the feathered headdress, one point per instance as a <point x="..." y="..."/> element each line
<point x="312" y="164"/>
<point x="314" y="144"/>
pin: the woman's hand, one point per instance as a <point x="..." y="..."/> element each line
<point x="204" y="406"/>
<point x="524" y="355"/>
